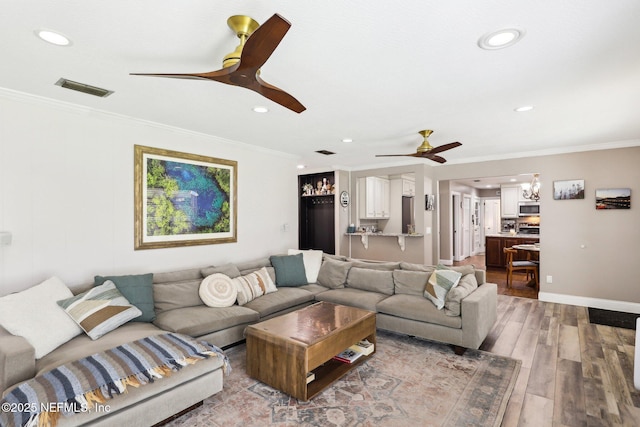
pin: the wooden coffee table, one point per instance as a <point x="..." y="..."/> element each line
<point x="283" y="350"/>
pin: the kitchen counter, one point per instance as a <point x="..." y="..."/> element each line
<point x="528" y="236"/>
<point x="364" y="237"/>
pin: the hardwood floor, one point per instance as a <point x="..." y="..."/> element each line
<point x="518" y="287"/>
<point x="573" y="373"/>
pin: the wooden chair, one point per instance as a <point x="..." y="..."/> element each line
<point x="524" y="266"/>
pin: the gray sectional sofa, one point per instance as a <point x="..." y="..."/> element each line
<point x="395" y="291"/>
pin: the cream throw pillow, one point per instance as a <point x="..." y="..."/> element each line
<point x="35" y="315"/>
<point x="439" y="284"/>
<point x="253" y="285"/>
<point x="218" y="290"/>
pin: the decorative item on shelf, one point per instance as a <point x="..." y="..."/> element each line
<point x="351" y="228"/>
<point x="532" y="191"/>
<point x="308" y="189"/>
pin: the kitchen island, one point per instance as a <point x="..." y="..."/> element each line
<point x="387" y="246"/>
<point x="495" y="243"/>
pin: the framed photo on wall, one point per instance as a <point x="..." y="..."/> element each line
<point x="567" y="190"/>
<point x="613" y="198"/>
<point x="183" y="199"/>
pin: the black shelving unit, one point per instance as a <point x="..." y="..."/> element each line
<point x="316" y="222"/>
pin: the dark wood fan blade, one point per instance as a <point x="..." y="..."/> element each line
<point x="395" y="155"/>
<point x="444" y="147"/>
<point x="436" y="158"/>
<point x="223" y="75"/>
<point x="277" y="95"/>
<point x="261" y="44"/>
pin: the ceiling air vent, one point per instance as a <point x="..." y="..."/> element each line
<point x="325" y="152"/>
<point x="84" y="88"/>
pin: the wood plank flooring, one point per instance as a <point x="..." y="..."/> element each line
<point x="573" y="373"/>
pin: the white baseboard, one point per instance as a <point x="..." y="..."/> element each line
<point x="446" y="262"/>
<point x="605" y="304"/>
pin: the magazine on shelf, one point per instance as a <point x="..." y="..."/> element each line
<point x="365" y="347"/>
<point x="310" y="377"/>
<point x="348" y="356"/>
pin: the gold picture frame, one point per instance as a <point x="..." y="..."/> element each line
<point x="183" y="199"/>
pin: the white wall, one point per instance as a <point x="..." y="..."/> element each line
<point x="66" y="195"/>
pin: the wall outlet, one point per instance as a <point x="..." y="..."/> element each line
<point x="549" y="279"/>
<point x="5" y="238"/>
<point x="285" y="227"/>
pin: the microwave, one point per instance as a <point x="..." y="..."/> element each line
<point x="529" y="209"/>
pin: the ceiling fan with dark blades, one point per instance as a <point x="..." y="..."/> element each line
<point x="426" y="150"/>
<point x="242" y="66"/>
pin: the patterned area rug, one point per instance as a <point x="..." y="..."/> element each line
<point x="408" y="381"/>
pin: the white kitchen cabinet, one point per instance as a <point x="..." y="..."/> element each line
<point x="408" y="187"/>
<point x="373" y="197"/>
<point x="509" y="198"/>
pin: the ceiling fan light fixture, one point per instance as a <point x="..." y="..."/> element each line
<point x="347" y="140"/>
<point x="53" y="37"/>
<point x="500" y="39"/>
<point x="260" y="109"/>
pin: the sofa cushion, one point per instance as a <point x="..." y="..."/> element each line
<point x="230" y="270"/>
<point x="314" y="288"/>
<point x="333" y="273"/>
<point x="416" y="308"/>
<point x="452" y="302"/>
<point x="410" y="282"/>
<point x="366" y="300"/>
<point x="376" y="265"/>
<point x="283" y="299"/>
<point x="34" y="315"/>
<point x="439" y="284"/>
<point x="312" y="260"/>
<point x="177" y="289"/>
<point x="462" y="269"/>
<point x="253" y="285"/>
<point x="416" y="267"/>
<point x="137" y="289"/>
<point x="247" y="267"/>
<point x="290" y="270"/>
<point x="83" y="346"/>
<point x="100" y="310"/>
<point x="380" y="281"/>
<point x="218" y="290"/>
<point x="202" y="320"/>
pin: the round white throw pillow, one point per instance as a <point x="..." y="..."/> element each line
<point x="218" y="290"/>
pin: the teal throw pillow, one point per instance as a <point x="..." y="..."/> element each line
<point x="137" y="289"/>
<point x="289" y="270"/>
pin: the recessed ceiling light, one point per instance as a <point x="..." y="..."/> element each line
<point x="347" y="140"/>
<point x="259" y="109"/>
<point x="523" y="109"/>
<point x="500" y="39"/>
<point x="301" y="166"/>
<point x="53" y="37"/>
<point x="512" y="180"/>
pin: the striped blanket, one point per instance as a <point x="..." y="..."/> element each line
<point x="77" y="386"/>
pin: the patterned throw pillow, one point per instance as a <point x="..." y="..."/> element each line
<point x="100" y="310"/>
<point x="218" y="290"/>
<point x="439" y="284"/>
<point x="253" y="285"/>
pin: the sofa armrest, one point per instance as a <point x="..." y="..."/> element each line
<point x="481" y="276"/>
<point x="479" y="311"/>
<point x="17" y="360"/>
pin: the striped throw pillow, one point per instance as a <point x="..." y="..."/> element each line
<point x="253" y="285"/>
<point x="100" y="310"/>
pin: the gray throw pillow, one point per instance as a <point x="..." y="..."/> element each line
<point x="289" y="270"/>
<point x="333" y="273"/>
<point x="137" y="289"/>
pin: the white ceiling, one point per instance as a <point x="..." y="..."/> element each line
<point x="372" y="70"/>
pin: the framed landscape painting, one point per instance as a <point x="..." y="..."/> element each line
<point x="183" y="199"/>
<point x="571" y="189"/>
<point x="613" y="198"/>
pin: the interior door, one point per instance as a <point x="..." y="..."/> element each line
<point x="466" y="226"/>
<point x="491" y="216"/>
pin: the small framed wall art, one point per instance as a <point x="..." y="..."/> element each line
<point x="183" y="199"/>
<point x="570" y="189"/>
<point x="613" y="198"/>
